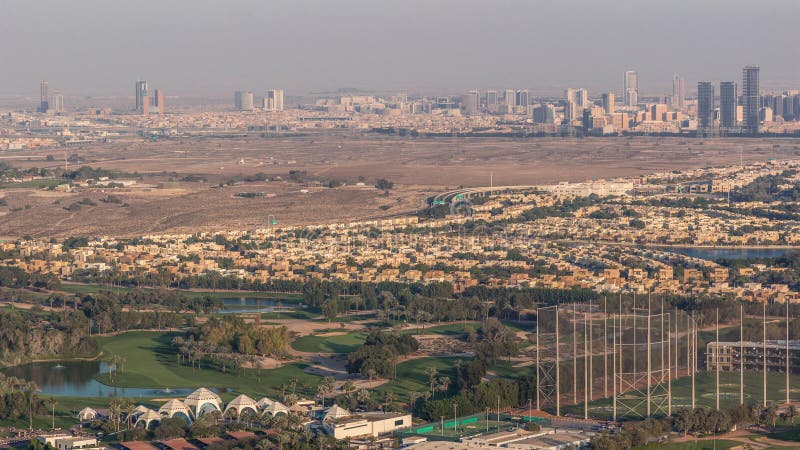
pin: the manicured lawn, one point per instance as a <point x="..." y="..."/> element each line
<point x="700" y="445"/>
<point x="150" y="362"/>
<point x="342" y="343"/>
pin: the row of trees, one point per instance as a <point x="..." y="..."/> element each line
<point x="25" y="335"/>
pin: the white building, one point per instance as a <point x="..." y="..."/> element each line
<point x="367" y="424"/>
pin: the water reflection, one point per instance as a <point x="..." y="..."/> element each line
<point x="77" y="379"/>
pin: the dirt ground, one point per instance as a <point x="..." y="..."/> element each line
<point x="161" y="203"/>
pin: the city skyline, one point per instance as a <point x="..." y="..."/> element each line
<point x="428" y="60"/>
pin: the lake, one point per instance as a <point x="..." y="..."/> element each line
<point x="249" y="306"/>
<point x="714" y="254"/>
<point x="77" y="379"/>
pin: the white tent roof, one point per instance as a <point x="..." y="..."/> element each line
<point x="335" y="412"/>
<point x="242" y="402"/>
<point x="173" y="407"/>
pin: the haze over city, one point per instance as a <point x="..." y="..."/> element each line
<point x="399" y="225"/>
<point x="210" y="49"/>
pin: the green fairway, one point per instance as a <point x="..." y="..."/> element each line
<point x="412" y="375"/>
<point x="150" y="363"/>
<point x="339" y="343"/>
<point x="450" y="329"/>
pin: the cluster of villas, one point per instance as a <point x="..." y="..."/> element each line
<point x="335" y="420"/>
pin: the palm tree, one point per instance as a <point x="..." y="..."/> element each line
<point x="431" y="371"/>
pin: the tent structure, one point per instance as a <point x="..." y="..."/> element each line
<point x="203" y="401"/>
<point x="241" y="404"/>
<point x="87" y="414"/>
<point x="276" y="408"/>
<point x="176" y="408"/>
<point x="147" y="418"/>
<point x="336" y="412"/>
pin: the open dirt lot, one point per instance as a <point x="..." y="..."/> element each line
<point x="160" y="202"/>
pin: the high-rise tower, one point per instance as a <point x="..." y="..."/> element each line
<point x="705" y="105"/>
<point x="631" y="88"/>
<point x="750" y="98"/>
<point x="727" y="104"/>
<point x="44" y="103"/>
<point x="678" y="92"/>
<point x="142" y="99"/>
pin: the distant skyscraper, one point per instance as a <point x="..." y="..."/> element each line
<point x="142" y="99"/>
<point x="510" y="98"/>
<point x="583" y="98"/>
<point x="750" y="98"/>
<point x="470" y="102"/>
<point x="43" y="99"/>
<point x="273" y="101"/>
<point x="608" y="102"/>
<point x="705" y="105"/>
<point x="57" y="105"/>
<point x="522" y="98"/>
<point x="544" y="114"/>
<point x="243" y="100"/>
<point x="631" y="88"/>
<point x="158" y="101"/>
<point x="571" y="109"/>
<point x="491" y="98"/>
<point x="727" y="104"/>
<point x="678" y="92"/>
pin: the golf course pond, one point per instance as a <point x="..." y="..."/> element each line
<point x="77" y="379"/>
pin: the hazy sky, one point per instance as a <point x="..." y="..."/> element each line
<point x="198" y="47"/>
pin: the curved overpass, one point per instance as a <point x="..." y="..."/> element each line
<point x="458" y="194"/>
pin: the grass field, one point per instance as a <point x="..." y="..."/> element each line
<point x="700" y="445"/>
<point x="35" y="184"/>
<point x="81" y="288"/>
<point x="341" y="343"/>
<point x="149" y="362"/>
<point x="705" y="393"/>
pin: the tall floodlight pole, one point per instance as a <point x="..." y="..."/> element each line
<point x="558" y="370"/>
<point x="635" y="348"/>
<point x="605" y="347"/>
<point x="649" y="359"/>
<point x="677" y="338"/>
<point x="764" y="347"/>
<point x="716" y="357"/>
<point x="741" y="354"/>
<point x="614" y="364"/>
<point x="590" y="335"/>
<point x="538" y="322"/>
<point x="585" y="373"/>
<point x="689" y="318"/>
<point x="669" y="358"/>
<point x="787" y="351"/>
<point x="574" y="354"/>
<point x="694" y="361"/>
